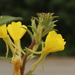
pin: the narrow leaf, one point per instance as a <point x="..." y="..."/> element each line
<point x="33" y="29"/>
<point x="7" y="19"/>
<point x="48" y="29"/>
<point x="6" y="58"/>
<point x="29" y="32"/>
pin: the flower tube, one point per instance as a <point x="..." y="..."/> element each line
<point x="16" y="31"/>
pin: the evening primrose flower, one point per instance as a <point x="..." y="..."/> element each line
<point x="54" y="42"/>
<point x="6" y="38"/>
<point x="16" y="30"/>
<point x="3" y="31"/>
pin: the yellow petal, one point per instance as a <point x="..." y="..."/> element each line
<point x="16" y="31"/>
<point x="54" y="42"/>
<point x="3" y="31"/>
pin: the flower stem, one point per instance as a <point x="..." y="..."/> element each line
<point x="23" y="64"/>
<point x="25" y="58"/>
<point x="32" y="44"/>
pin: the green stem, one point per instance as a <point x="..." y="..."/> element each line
<point x="34" y="51"/>
<point x="43" y="55"/>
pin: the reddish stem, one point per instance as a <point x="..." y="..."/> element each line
<point x="25" y="58"/>
<point x="23" y="64"/>
<point x="32" y="44"/>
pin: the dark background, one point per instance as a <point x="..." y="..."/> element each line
<point x="65" y="9"/>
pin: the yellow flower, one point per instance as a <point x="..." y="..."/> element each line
<point x="3" y="31"/>
<point x="54" y="42"/>
<point x="16" y="31"/>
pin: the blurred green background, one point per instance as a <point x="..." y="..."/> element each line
<point x="65" y="9"/>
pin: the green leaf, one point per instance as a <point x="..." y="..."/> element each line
<point x="33" y="29"/>
<point x="48" y="29"/>
<point x="33" y="57"/>
<point x="7" y="19"/>
<point x="6" y="58"/>
<point x="29" y="32"/>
